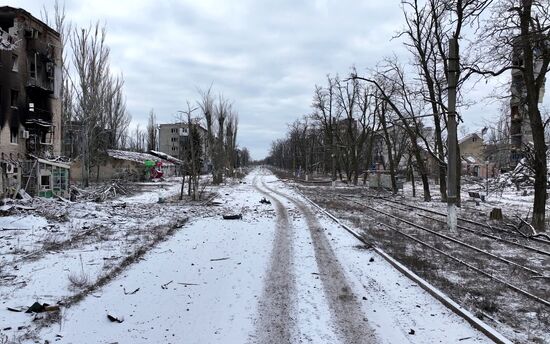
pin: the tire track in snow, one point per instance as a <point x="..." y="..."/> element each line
<point x="349" y="319"/>
<point x="275" y="323"/>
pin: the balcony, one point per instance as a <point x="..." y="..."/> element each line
<point x="42" y="85"/>
<point x="39" y="118"/>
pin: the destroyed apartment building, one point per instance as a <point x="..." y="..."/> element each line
<point x="30" y="106"/>
<point x="520" y="125"/>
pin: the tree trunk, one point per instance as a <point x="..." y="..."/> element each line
<point x="390" y="152"/>
<point x="539" y="203"/>
<point x="537" y="126"/>
<point x="423" y="175"/>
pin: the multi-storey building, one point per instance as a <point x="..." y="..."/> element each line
<point x="173" y="140"/>
<point x="30" y="105"/>
<point x="520" y="125"/>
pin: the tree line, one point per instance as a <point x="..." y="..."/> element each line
<point x="403" y="105"/>
<point x="95" y="118"/>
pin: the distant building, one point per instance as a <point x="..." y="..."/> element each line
<point x="171" y="138"/>
<point x="174" y="137"/>
<point x="478" y="159"/>
<point x="30" y="105"/>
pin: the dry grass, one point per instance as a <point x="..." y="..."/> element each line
<point x="78" y="280"/>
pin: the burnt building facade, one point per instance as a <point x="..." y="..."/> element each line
<point x="30" y="104"/>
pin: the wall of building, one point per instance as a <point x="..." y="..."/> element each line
<point x="472" y="145"/>
<point x="110" y="169"/>
<point x="30" y="87"/>
<point x="170" y="136"/>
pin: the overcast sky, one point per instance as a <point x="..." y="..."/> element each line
<point x="266" y="56"/>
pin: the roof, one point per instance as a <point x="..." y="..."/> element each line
<point x="181" y="125"/>
<point x="470" y="159"/>
<point x="166" y="157"/>
<point x="5" y="10"/>
<point x="467" y="137"/>
<point x="134" y="156"/>
<point x="53" y="163"/>
<point x="50" y="162"/>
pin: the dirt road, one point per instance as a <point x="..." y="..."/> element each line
<point x="351" y="324"/>
<point x="274" y="321"/>
<point x="284" y="273"/>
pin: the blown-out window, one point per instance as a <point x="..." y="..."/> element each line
<point x="13" y="135"/>
<point x="14" y="63"/>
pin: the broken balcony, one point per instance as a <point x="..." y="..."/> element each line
<point x="39" y="118"/>
<point x="40" y="84"/>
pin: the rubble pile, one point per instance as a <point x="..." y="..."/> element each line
<point x="521" y="176"/>
<point x="104" y="192"/>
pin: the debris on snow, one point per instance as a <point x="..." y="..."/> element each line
<point x="11" y="309"/>
<point x="39" y="308"/>
<point x="115" y="319"/>
<point x="165" y="285"/>
<point x="218" y="259"/>
<point x="233" y="217"/>
<point x="130" y="293"/>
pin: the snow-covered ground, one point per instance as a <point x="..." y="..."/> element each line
<point x="282" y="273"/>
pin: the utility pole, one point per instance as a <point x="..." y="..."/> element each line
<point x="452" y="182"/>
<point x="333" y="152"/>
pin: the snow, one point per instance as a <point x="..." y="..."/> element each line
<point x="159" y="191"/>
<point x="205" y="284"/>
<point x="134" y="156"/>
<point x="394" y="304"/>
<point x="22" y="222"/>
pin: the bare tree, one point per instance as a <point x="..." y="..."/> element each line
<point x="244" y="157"/>
<point x="90" y="56"/>
<point x="222" y="111"/>
<point x="327" y="114"/>
<point x="152" y="131"/>
<point x="393" y="88"/>
<point x="231" y="142"/>
<point x="64" y="28"/>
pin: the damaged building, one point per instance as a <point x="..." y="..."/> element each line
<point x="127" y="165"/>
<point x="174" y="140"/>
<point x="30" y="106"/>
<point x="520" y="125"/>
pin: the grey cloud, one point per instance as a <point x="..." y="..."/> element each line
<point x="267" y="56"/>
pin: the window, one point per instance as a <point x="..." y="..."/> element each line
<point x="45" y="182"/>
<point x="14" y="98"/>
<point x="14" y="63"/>
<point x="33" y="70"/>
<point x="13" y="135"/>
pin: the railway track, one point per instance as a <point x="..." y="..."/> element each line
<point x="468" y="221"/>
<point x="462" y="261"/>
<point x="514" y="276"/>
<point x="481" y="233"/>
